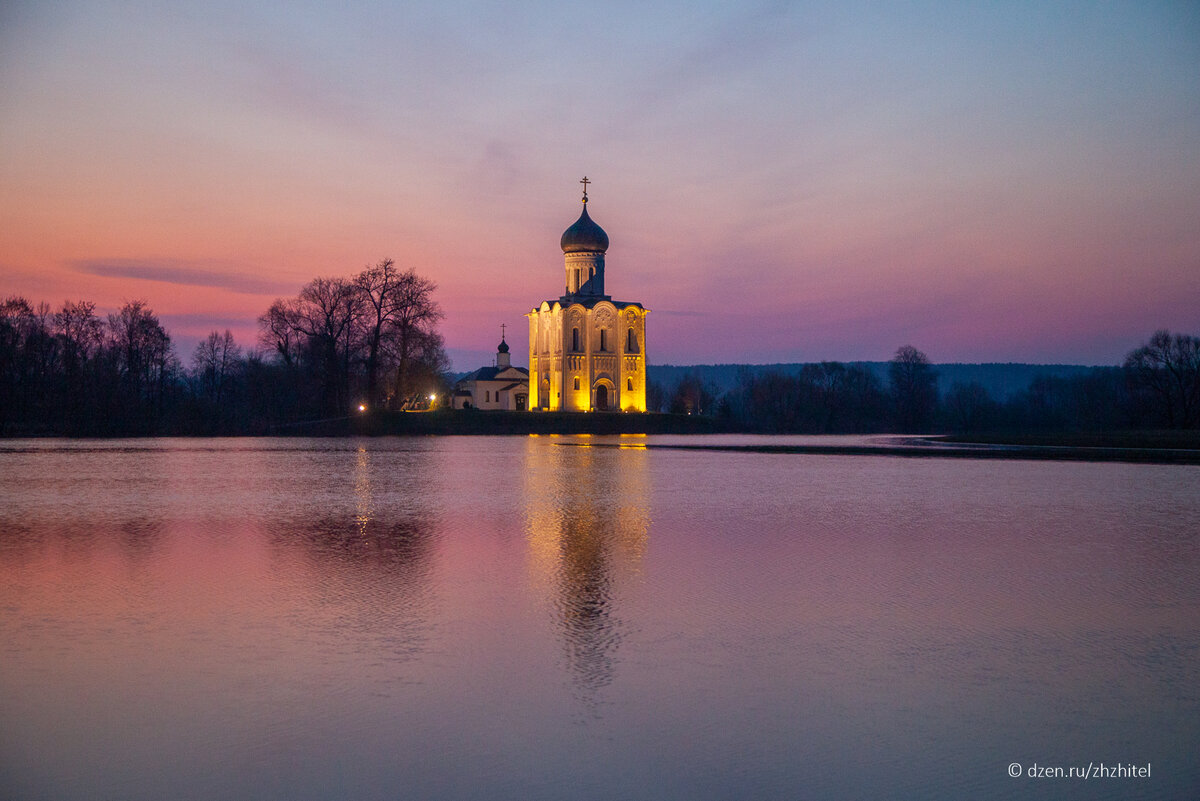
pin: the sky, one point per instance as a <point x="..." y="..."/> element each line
<point x="780" y="182"/>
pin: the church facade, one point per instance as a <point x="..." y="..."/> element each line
<point x="587" y="352"/>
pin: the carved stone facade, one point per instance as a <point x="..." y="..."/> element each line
<point x="587" y="352"/>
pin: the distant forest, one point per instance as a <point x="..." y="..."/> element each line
<point x="1157" y="387"/>
<point x="373" y="340"/>
<point x="1001" y="380"/>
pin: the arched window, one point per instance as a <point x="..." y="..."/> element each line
<point x="577" y="278"/>
<point x="630" y="341"/>
<point x="629" y="384"/>
<point x="575" y="340"/>
<point x="603" y="339"/>
<point x="576" y="382"/>
<point x="487" y="396"/>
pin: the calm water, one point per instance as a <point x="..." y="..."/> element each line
<point x="525" y="618"/>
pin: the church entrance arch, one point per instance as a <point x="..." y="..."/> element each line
<point x="603" y="396"/>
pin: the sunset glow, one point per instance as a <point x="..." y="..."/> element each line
<point x="781" y="182"/>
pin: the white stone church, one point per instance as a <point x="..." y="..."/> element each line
<point x="587" y="352"/>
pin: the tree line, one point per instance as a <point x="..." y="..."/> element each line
<point x="1157" y="387"/>
<point x="370" y="339"/>
<point x="373" y="339"/>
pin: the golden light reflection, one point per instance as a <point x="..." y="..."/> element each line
<point x="364" y="502"/>
<point x="587" y="524"/>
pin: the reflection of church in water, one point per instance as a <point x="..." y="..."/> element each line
<point x="586" y="546"/>
<point x="587" y="352"/>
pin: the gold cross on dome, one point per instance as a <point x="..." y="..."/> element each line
<point x="585" y="183"/>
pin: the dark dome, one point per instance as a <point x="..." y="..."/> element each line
<point x="584" y="236"/>
<point x="503" y="346"/>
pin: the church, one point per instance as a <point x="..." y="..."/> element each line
<point x="587" y="352"/>
<point x="502" y="386"/>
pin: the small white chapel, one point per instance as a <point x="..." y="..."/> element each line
<point x="500" y="386"/>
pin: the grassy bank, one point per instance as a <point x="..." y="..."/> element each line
<point x="451" y="422"/>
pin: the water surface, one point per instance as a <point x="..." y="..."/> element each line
<point x="529" y="617"/>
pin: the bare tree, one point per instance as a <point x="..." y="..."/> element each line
<point x="836" y="398"/>
<point x="408" y="331"/>
<point x="1167" y="369"/>
<point x="43" y="350"/>
<point x="140" y="343"/>
<point x="423" y="371"/>
<point x="384" y="320"/>
<point x="327" y="313"/>
<point x="279" y="331"/>
<point x="80" y="334"/>
<point x="399" y="306"/>
<point x="144" y="360"/>
<point x="16" y="321"/>
<point x="214" y="360"/>
<point x="914" y="389"/>
<point x="80" y="331"/>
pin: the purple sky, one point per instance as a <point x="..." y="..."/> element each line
<point x="780" y="181"/>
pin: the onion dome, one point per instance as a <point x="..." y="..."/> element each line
<point x="584" y="236"/>
<point x="503" y="346"/>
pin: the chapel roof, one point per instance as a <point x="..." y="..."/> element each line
<point x="488" y="374"/>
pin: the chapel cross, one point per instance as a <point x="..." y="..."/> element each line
<point x="501" y="332"/>
<point x="585" y="182"/>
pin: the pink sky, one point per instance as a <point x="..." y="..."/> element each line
<point x="779" y="182"/>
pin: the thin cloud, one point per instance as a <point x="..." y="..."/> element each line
<point x="184" y="273"/>
<point x="750" y="36"/>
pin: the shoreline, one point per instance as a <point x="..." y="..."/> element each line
<point x="1138" y="447"/>
<point x="935" y="449"/>
<point x="1016" y="453"/>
